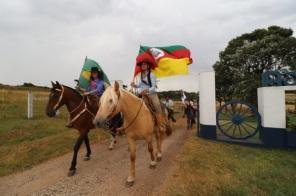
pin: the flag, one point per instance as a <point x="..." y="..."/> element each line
<point x="86" y="72"/>
<point x="183" y="97"/>
<point x="166" y="61"/>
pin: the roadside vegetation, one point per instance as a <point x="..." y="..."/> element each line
<point x="207" y="167"/>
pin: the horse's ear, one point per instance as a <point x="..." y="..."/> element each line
<point x="52" y="83"/>
<point x="57" y="83"/>
<point x="116" y="88"/>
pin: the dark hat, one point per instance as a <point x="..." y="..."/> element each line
<point x="95" y="69"/>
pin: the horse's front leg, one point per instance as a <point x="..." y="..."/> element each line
<point x="113" y="141"/>
<point x="88" y="153"/>
<point x="72" y="169"/>
<point x="132" y="148"/>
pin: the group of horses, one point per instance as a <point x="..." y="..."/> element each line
<point x="138" y="122"/>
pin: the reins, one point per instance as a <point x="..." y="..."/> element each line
<point x="85" y="109"/>
<point x="134" y="119"/>
<point x="77" y="106"/>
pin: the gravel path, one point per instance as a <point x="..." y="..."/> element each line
<point x="104" y="174"/>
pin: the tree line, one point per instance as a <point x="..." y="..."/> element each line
<point x="176" y="95"/>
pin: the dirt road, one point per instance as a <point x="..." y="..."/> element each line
<point x="104" y="174"/>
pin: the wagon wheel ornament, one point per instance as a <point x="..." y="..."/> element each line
<point x="238" y="120"/>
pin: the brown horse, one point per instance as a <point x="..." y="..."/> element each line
<point x="82" y="111"/>
<point x="138" y="122"/>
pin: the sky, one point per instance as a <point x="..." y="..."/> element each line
<point x="48" y="40"/>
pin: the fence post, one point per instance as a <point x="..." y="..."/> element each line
<point x="30" y="105"/>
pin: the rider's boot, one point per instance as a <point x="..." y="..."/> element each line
<point x="161" y="122"/>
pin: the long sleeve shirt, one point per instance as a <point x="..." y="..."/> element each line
<point x="142" y="83"/>
<point x="96" y="87"/>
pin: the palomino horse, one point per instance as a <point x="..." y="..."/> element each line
<point x="138" y="122"/>
<point x="81" y="116"/>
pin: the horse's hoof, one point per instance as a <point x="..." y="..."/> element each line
<point x="158" y="159"/>
<point x="152" y="166"/>
<point x="129" y="183"/>
<point x="86" y="158"/>
<point x="71" y="172"/>
<point x="110" y="148"/>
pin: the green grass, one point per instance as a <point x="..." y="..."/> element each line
<point x="25" y="143"/>
<point x="215" y="168"/>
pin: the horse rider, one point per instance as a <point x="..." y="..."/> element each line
<point x="96" y="84"/>
<point x="145" y="87"/>
<point x="94" y="91"/>
<point x="168" y="102"/>
<point x="189" y="112"/>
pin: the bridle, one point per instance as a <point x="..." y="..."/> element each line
<point x="57" y="105"/>
<point x="85" y="109"/>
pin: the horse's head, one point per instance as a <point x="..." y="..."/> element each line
<point x="55" y="99"/>
<point x="109" y="105"/>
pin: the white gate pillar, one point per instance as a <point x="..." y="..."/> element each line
<point x="272" y="108"/>
<point x="207" y="105"/>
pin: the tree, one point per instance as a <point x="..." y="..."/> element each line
<point x="241" y="64"/>
<point x="28" y="84"/>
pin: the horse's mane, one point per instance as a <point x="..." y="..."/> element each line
<point x="129" y="93"/>
<point x="73" y="90"/>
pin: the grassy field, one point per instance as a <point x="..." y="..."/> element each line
<point x="207" y="167"/>
<point x="25" y="143"/>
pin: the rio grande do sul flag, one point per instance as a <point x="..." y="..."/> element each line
<point x="166" y="61"/>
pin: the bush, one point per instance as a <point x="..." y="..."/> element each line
<point x="291" y="122"/>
